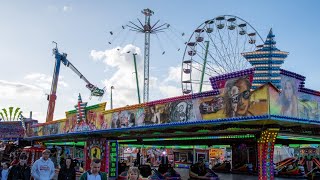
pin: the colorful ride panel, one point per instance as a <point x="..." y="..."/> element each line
<point x="231" y="98"/>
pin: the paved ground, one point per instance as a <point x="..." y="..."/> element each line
<point x="243" y="177"/>
<point x="223" y="176"/>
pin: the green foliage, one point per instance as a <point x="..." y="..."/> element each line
<point x="5" y="113"/>
<point x="15" y="113"/>
<point x="10" y="112"/>
<point x="2" y="117"/>
<point x="19" y="114"/>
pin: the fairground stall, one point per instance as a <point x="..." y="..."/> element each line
<point x="260" y="120"/>
<point x="12" y="131"/>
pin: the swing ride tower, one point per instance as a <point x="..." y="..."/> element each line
<point x="147" y="29"/>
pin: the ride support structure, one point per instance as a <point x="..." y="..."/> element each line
<point x="147" y="29"/>
<point x="95" y="91"/>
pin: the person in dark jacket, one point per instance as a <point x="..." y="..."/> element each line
<point x="67" y="172"/>
<point x="20" y="171"/>
<point x="138" y="158"/>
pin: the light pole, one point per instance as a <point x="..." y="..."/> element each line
<point x="111" y="105"/>
<point x="136" y="72"/>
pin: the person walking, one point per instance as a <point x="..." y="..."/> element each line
<point x="138" y="160"/>
<point x="21" y="171"/>
<point x="43" y="168"/>
<point x="94" y="172"/>
<point x="67" y="172"/>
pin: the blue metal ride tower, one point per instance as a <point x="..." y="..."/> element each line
<point x="267" y="62"/>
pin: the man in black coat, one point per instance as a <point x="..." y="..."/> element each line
<point x="21" y="171"/>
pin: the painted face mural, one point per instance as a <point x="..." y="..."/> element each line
<point x="211" y="106"/>
<point x="308" y="108"/>
<point x="127" y="119"/>
<point x="180" y="111"/>
<point x="91" y="119"/>
<point x="152" y="115"/>
<point x="288" y="98"/>
<point x="243" y="96"/>
<point x="140" y="115"/>
<point x="208" y="108"/>
<point x="115" y="123"/>
<point x="237" y="97"/>
<point x="155" y="118"/>
<point x="288" y="89"/>
<point x="105" y="121"/>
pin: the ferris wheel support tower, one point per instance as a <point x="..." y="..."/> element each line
<point x="147" y="29"/>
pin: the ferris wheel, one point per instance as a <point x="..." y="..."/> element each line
<point x="215" y="48"/>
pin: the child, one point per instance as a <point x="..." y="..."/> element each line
<point x="134" y="174"/>
<point x="5" y="171"/>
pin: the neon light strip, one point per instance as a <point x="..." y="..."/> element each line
<point x="299" y="138"/>
<point x="298" y="145"/>
<point x="246" y="136"/>
<point x="173" y="147"/>
<point x="66" y="143"/>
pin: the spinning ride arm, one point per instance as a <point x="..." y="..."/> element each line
<point x="95" y="91"/>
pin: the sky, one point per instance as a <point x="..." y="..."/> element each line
<point x="82" y="30"/>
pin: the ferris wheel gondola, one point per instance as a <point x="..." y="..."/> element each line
<point x="215" y="48"/>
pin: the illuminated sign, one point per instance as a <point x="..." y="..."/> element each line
<point x="214" y="153"/>
<point x="113" y="158"/>
<point x="95" y="149"/>
<point x="95" y="152"/>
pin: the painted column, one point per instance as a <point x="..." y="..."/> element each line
<point x="265" y="153"/>
<point x="95" y="149"/>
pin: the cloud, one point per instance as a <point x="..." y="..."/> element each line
<point x="52" y="8"/>
<point x="26" y="96"/>
<point x="30" y="95"/>
<point x="40" y="116"/>
<point x="57" y="9"/>
<point x="118" y="57"/>
<point x="67" y="8"/>
<point x="123" y="78"/>
<point x="98" y="55"/>
<point x="174" y="74"/>
<point x="44" y="81"/>
<point x="170" y="91"/>
<point x="16" y="90"/>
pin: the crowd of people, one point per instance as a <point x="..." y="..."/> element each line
<point x="44" y="169"/>
<point x="16" y="171"/>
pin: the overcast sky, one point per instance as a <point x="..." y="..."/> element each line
<point x="82" y="30"/>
